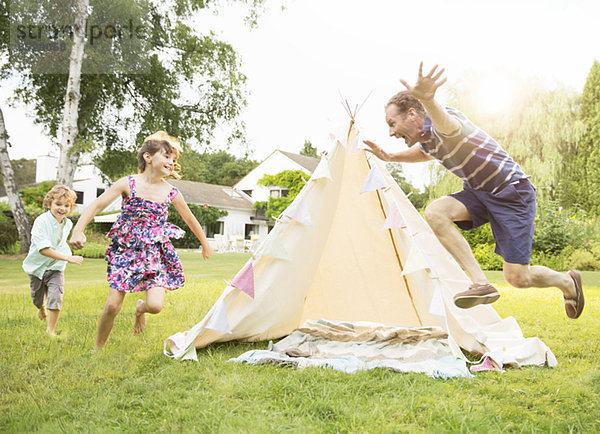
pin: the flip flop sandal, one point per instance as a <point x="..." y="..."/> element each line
<point x="574" y="306"/>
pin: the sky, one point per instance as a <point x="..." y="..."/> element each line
<point x="301" y="60"/>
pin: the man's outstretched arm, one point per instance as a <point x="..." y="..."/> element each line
<point x="411" y="155"/>
<point x="424" y="90"/>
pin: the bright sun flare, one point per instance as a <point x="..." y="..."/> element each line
<point x="495" y="95"/>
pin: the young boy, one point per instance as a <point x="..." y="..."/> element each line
<point x="49" y="254"/>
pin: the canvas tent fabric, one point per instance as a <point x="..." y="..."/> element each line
<point x="348" y="249"/>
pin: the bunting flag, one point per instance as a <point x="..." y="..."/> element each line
<point x="322" y="170"/>
<point x="218" y="320"/>
<point x="298" y="211"/>
<point x="244" y="280"/>
<point x="340" y="134"/>
<point x="374" y="181"/>
<point x="357" y="145"/>
<point x="394" y="218"/>
<point x="274" y="248"/>
<point x="436" y="307"/>
<point x="415" y="261"/>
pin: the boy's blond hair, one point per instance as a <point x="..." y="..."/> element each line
<point x="60" y="191"/>
<point x="154" y="143"/>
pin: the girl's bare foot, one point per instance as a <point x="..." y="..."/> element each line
<point x="42" y="313"/>
<point x="140" y="318"/>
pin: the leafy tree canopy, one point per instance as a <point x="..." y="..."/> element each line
<point x="309" y="150"/>
<point x="24" y="172"/>
<point x="416" y="197"/>
<point x="146" y="67"/>
<point x="293" y="180"/>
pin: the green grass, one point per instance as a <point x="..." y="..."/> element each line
<point x="61" y="385"/>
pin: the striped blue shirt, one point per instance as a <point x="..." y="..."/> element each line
<point x="471" y="154"/>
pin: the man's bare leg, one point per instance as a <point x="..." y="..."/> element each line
<point x="441" y="215"/>
<point x="538" y="276"/>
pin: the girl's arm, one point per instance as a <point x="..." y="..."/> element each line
<point x="186" y="214"/>
<point x="118" y="188"/>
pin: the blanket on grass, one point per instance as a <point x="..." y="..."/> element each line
<point x="356" y="346"/>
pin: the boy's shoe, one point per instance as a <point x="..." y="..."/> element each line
<point x="478" y="293"/>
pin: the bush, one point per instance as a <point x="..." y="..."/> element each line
<point x="8" y="235"/>
<point x="555" y="228"/>
<point x="481" y="235"/>
<point x="92" y="249"/>
<point x="582" y="259"/>
<point x="205" y="216"/>
<point x="487" y="258"/>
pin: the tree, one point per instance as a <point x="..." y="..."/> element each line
<point x="293" y="180"/>
<point x="417" y="198"/>
<point x="582" y="168"/>
<point x="144" y="69"/>
<point x="16" y="206"/>
<point x="309" y="150"/>
<point x="69" y="153"/>
<point x="539" y="131"/>
<point x="24" y="171"/>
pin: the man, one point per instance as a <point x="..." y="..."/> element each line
<point x="495" y="190"/>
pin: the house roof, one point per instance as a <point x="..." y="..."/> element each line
<point x="309" y="163"/>
<point x="217" y="196"/>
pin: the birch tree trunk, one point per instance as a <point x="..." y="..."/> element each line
<point x="69" y="155"/>
<point x="16" y="205"/>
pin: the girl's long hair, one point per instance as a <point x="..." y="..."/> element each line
<point x="154" y="143"/>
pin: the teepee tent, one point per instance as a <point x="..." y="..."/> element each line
<point x="351" y="247"/>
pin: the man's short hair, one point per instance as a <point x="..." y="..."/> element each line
<point x="404" y="101"/>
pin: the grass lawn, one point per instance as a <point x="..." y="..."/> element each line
<point x="60" y="384"/>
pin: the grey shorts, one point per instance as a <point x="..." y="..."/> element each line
<point x="52" y="285"/>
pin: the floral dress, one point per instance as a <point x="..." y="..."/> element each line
<point x="140" y="255"/>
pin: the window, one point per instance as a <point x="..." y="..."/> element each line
<point x="99" y="191"/>
<point x="214" y="228"/>
<point x="250" y="230"/>
<point x="279" y="192"/>
<point x="79" y="200"/>
<point x="248" y="192"/>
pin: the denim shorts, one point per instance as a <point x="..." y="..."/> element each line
<point x="511" y="214"/>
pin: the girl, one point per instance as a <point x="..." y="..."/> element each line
<point x="140" y="256"/>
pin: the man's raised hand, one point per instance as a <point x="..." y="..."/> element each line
<point x="424" y="89"/>
<point x="379" y="153"/>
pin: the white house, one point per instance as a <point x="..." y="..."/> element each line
<point x="242" y="222"/>
<point x="87" y="182"/>
<point x="277" y="162"/>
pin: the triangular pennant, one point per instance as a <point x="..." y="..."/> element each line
<point x="274" y="248"/>
<point x="394" y="218"/>
<point x="218" y="320"/>
<point x="244" y="280"/>
<point x="341" y="135"/>
<point x="322" y="170"/>
<point x="415" y="261"/>
<point x="357" y="145"/>
<point x="374" y="181"/>
<point x="298" y="211"/>
<point x="436" y="307"/>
